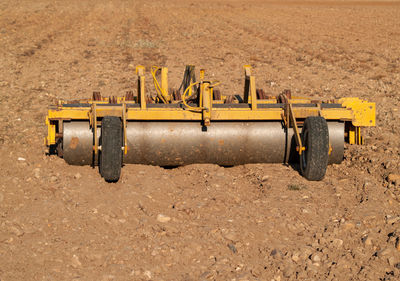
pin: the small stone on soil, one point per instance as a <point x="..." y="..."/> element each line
<point x="75" y="262"/>
<point x="232" y="248"/>
<point x="163" y="218"/>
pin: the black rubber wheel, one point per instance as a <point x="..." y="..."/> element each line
<point x="110" y="161"/>
<point x="315" y="138"/>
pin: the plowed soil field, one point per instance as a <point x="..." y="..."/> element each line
<point x="198" y="222"/>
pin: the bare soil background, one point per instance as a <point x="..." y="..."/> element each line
<point x="198" y="222"/>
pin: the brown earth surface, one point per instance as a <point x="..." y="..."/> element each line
<point x="198" y="222"/>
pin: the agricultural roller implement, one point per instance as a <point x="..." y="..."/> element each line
<point x="197" y="124"/>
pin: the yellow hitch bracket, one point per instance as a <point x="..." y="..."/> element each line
<point x="363" y="111"/>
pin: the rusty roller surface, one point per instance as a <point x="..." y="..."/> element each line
<point x="181" y="143"/>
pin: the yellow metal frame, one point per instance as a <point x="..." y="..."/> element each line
<point x="51" y="132"/>
<point x="355" y="111"/>
<point x="363" y="111"/>
<point x="217" y="114"/>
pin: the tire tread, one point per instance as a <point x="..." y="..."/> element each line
<point x="317" y="148"/>
<point x="111" y="153"/>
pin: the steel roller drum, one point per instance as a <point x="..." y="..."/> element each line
<point x="181" y="143"/>
<point x="336" y="140"/>
<point x="78" y="143"/>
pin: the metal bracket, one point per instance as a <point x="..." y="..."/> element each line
<point x="93" y="124"/>
<point x="363" y="111"/>
<point x="141" y="92"/>
<point x="164" y="82"/>
<point x="250" y="92"/>
<point x="354" y="135"/>
<point x="206" y="97"/>
<point x="300" y="148"/>
<point x="125" y="145"/>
